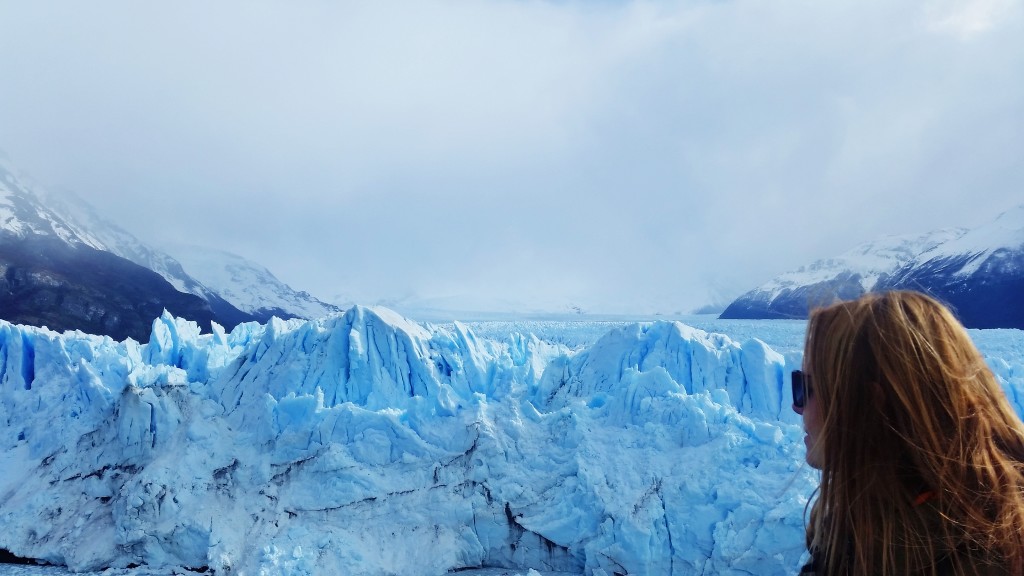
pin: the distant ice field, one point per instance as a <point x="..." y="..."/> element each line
<point x="783" y="336"/>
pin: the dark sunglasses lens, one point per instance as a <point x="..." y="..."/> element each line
<point x="799" y="390"/>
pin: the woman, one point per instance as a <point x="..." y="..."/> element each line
<point x="921" y="455"/>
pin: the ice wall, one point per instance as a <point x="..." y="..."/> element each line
<point x="368" y="444"/>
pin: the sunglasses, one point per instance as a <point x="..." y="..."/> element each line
<point x="801" y="388"/>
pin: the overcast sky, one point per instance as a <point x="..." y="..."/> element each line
<point x="619" y="156"/>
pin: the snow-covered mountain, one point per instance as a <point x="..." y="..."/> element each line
<point x="55" y="272"/>
<point x="30" y="215"/>
<point x="82" y="218"/>
<point x="23" y="214"/>
<point x="979" y="272"/>
<point x="248" y="285"/>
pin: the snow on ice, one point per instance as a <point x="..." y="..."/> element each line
<point x="364" y="444"/>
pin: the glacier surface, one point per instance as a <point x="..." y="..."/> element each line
<point x="368" y="444"/>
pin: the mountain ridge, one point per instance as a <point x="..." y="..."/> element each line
<point x="978" y="272"/>
<point x="46" y="238"/>
<point x="248" y="285"/>
<point x="47" y="282"/>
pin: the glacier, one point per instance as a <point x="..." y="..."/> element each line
<point x="365" y="443"/>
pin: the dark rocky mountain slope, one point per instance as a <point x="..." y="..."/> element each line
<point x="55" y="272"/>
<point x="47" y="282"/>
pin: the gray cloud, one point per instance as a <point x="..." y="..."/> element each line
<point x="624" y="156"/>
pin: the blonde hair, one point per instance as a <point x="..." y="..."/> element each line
<point x="909" y="408"/>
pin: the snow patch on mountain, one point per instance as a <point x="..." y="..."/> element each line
<point x="1005" y="233"/>
<point x="870" y="260"/>
<point x="247" y="285"/>
<point x="227" y="282"/>
<point x="112" y="238"/>
<point x="978" y="273"/>
<point x="27" y="208"/>
<point x="22" y="214"/>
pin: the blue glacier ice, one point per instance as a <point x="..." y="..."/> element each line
<point x="368" y="444"/>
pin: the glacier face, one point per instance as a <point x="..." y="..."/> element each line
<point x="365" y="443"/>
